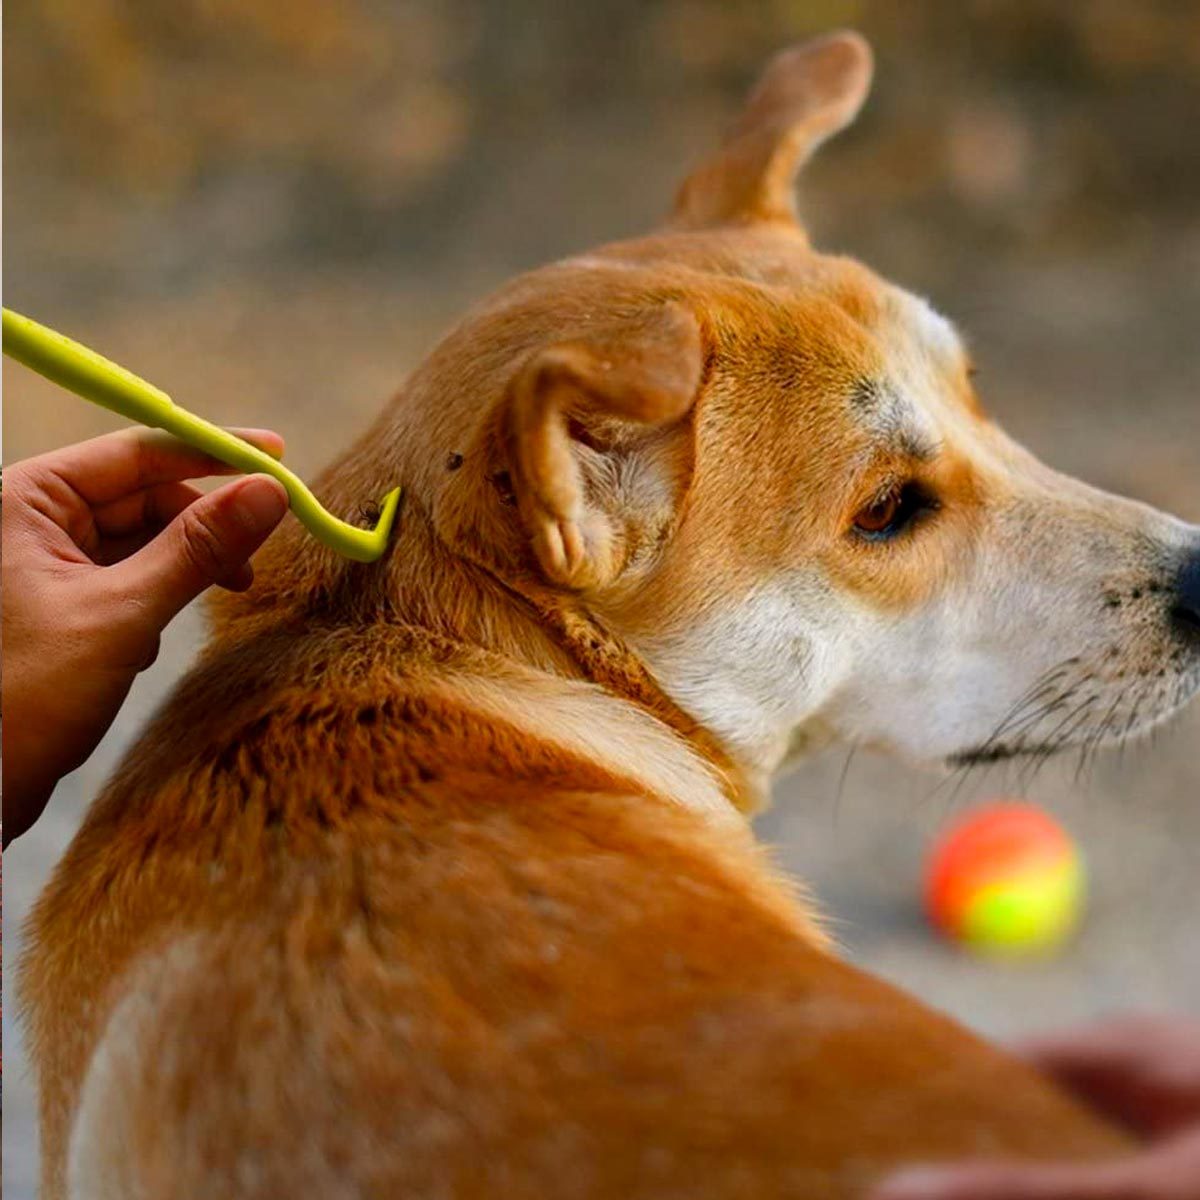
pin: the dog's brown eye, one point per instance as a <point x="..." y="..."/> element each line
<point x="891" y="513"/>
<point x="878" y="517"/>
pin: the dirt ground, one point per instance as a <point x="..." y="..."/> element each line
<point x="1037" y="190"/>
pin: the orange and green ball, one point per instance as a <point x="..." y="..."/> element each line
<point x="1006" y="880"/>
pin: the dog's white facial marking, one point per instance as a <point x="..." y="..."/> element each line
<point x="931" y="328"/>
<point x="921" y="347"/>
<point x="904" y="402"/>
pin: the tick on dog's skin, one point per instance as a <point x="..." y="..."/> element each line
<point x="454" y="460"/>
<point x="733" y="500"/>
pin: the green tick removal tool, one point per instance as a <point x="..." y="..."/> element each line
<point x="87" y="374"/>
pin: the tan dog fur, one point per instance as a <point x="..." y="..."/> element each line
<point x="433" y="878"/>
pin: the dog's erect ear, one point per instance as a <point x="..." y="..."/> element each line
<point x="806" y="94"/>
<point x="599" y="452"/>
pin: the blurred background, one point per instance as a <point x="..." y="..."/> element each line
<point x="272" y="210"/>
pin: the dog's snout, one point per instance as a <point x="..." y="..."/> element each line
<point x="1186" y="609"/>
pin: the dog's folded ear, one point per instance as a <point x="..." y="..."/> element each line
<point x="807" y="94"/>
<point x="599" y="443"/>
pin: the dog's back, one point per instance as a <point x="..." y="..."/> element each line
<point x="333" y="932"/>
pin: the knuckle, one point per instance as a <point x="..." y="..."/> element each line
<point x="203" y="541"/>
<point x="147" y="447"/>
<point x="15" y="480"/>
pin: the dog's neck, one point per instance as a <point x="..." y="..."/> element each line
<point x="544" y="662"/>
<point x="513" y="614"/>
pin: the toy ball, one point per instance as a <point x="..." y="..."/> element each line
<point x="1006" y="880"/>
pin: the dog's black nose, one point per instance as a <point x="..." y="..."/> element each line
<point x="1186" y="610"/>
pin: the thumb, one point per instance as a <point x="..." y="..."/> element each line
<point x="209" y="542"/>
<point x="1003" y="1181"/>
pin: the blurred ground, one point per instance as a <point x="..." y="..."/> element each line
<point x="272" y="210"/>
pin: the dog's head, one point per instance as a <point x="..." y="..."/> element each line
<point x="767" y="470"/>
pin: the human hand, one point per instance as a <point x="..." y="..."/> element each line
<point x="1144" y="1073"/>
<point x="104" y="543"/>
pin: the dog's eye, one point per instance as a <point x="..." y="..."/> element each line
<point x="891" y="512"/>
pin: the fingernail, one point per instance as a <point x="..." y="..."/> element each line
<point x="265" y="439"/>
<point x="240" y="580"/>
<point x="261" y="502"/>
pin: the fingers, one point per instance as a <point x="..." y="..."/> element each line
<point x="126" y="525"/>
<point x="1145" y="1071"/>
<point x="210" y="541"/>
<point x="107" y="468"/>
<point x="151" y="507"/>
<point x="1001" y="1181"/>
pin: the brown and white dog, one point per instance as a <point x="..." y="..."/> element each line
<point x="434" y="877"/>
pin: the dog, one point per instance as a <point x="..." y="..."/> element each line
<point x="434" y="877"/>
